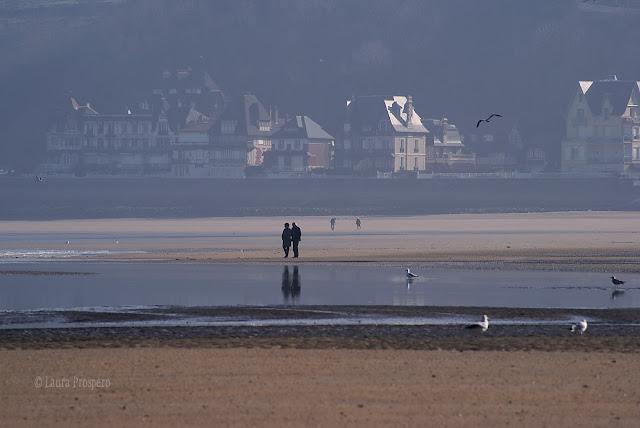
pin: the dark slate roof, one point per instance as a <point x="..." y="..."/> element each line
<point x="248" y="111"/>
<point x="368" y="109"/>
<point x="617" y="91"/>
<point x="302" y="127"/>
<point x="371" y="109"/>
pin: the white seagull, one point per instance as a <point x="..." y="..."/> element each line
<point x="617" y="281"/>
<point x="484" y="324"/>
<point x="582" y="325"/>
<point x="411" y="275"/>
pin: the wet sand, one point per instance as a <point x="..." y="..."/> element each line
<point x="349" y="375"/>
<point x="586" y="241"/>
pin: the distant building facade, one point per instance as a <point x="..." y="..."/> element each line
<point x="241" y="137"/>
<point x="603" y="128"/>
<point x="383" y="134"/>
<point x="449" y="152"/>
<point x="300" y="146"/>
<point x="83" y="141"/>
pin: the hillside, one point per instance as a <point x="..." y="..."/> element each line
<point x="457" y="58"/>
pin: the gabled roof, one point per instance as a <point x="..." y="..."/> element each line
<point x="248" y="111"/>
<point x="195" y="116"/>
<point x="302" y="127"/>
<point x="436" y="127"/>
<point x="199" y="126"/>
<point x="617" y="92"/>
<point x="402" y="115"/>
<point x="370" y="110"/>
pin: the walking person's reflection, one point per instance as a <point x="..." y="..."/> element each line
<point x="295" y="285"/>
<point x="290" y="285"/>
<point x="286" y="284"/>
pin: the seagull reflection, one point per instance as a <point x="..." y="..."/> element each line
<point x="290" y="285"/>
<point x="616" y="293"/>
<point x="409" y="282"/>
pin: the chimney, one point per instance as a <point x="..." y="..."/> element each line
<point x="445" y="126"/>
<point x="409" y="109"/>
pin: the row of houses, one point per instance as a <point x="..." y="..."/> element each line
<point x="189" y="128"/>
<point x="603" y="128"/>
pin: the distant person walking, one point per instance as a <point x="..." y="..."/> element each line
<point x="333" y="223"/>
<point x="358" y="223"/>
<point x="296" y="237"/>
<point x="286" y="239"/>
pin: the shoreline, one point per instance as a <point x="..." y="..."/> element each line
<point x="579" y="241"/>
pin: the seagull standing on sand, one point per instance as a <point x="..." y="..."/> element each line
<point x="411" y="275"/>
<point x="582" y="324"/>
<point x="487" y="119"/>
<point x="617" y="281"/>
<point x="484" y="324"/>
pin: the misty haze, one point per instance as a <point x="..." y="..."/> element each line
<point x="290" y="212"/>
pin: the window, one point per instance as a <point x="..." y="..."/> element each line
<point x="163" y="127"/>
<point x="264" y="125"/>
<point x="415" y="146"/>
<point x="401" y="163"/>
<point x="402" y="145"/>
<point x="228" y="126"/>
<point x="296" y="145"/>
<point x="415" y="163"/>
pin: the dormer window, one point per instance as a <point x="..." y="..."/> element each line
<point x="264" y="125"/>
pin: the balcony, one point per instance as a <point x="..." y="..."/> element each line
<point x="451" y="158"/>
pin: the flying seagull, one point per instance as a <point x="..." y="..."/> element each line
<point x="411" y="275"/>
<point x="582" y="325"/>
<point x="617" y="281"/>
<point x="487" y="119"/>
<point x="484" y="324"/>
<point x="38" y="178"/>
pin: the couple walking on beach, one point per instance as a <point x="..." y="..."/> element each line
<point x="291" y="236"/>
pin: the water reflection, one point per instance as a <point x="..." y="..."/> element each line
<point x="291" y="285"/>
<point x="616" y="293"/>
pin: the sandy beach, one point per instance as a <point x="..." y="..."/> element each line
<point x="371" y="376"/>
<point x="290" y="387"/>
<point x="586" y="241"/>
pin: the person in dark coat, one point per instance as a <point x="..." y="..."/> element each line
<point x="286" y="239"/>
<point x="296" y="237"/>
